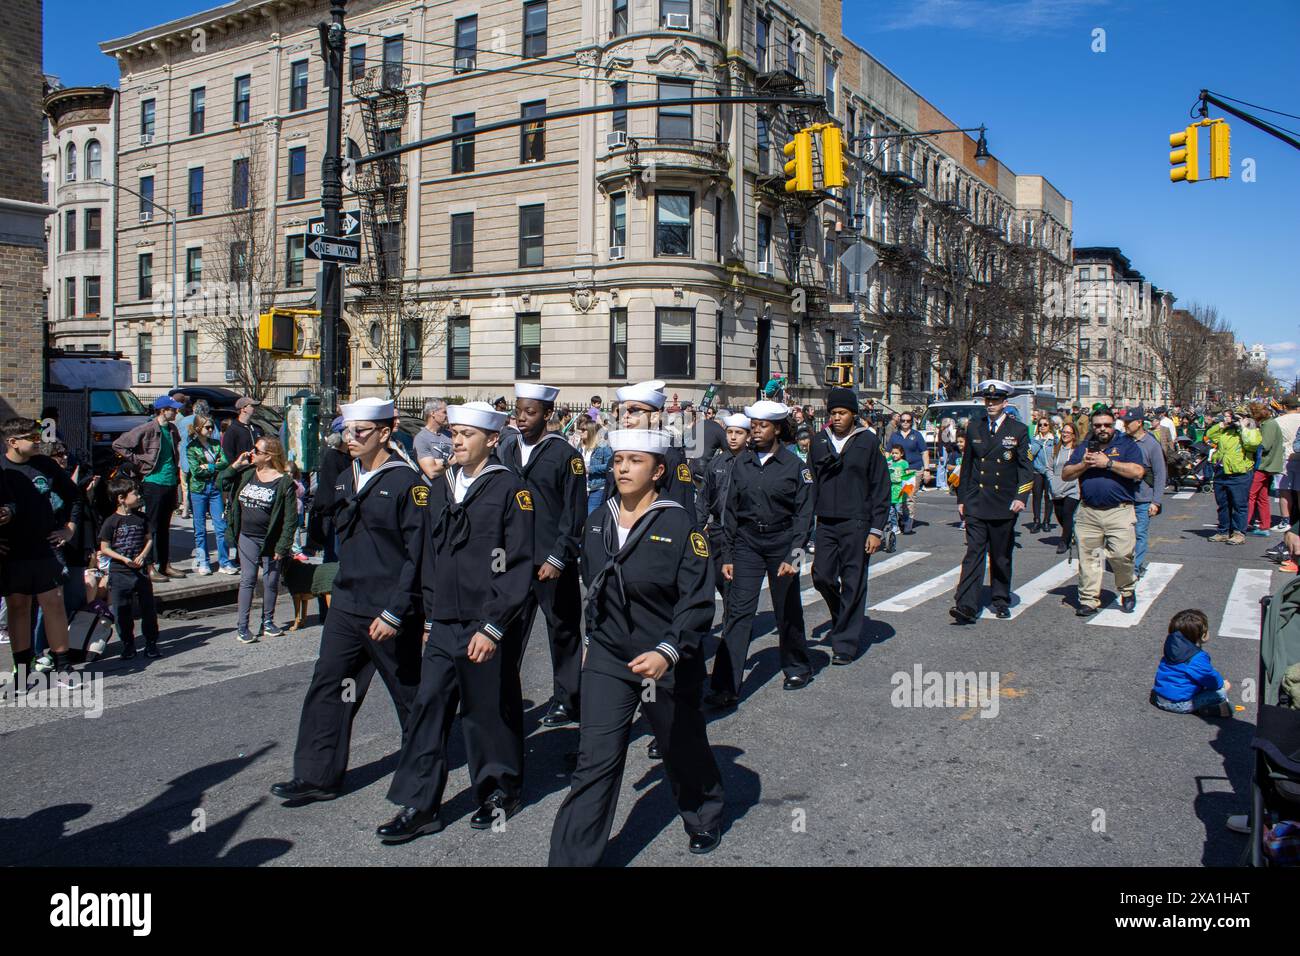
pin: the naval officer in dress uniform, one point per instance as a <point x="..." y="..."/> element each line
<point x="995" y="481"/>
<point x="712" y="496"/>
<point x="650" y="603"/>
<point x="375" y="620"/>
<point x="641" y="406"/>
<point x="476" y="573"/>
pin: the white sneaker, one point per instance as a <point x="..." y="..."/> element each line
<point x="69" y="679"/>
<point x="44" y="664"/>
<point x="4" y="637"/>
<point x="1239" y="823"/>
<point x="202" y="571"/>
<point x="229" y="569"/>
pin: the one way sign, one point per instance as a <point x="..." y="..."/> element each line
<point x="335" y="249"/>
<point x="349" y="223"/>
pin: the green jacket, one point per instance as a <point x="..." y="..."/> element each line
<point x="899" y="472"/>
<point x="1234" y="448"/>
<point x="284" y="511"/>
<point x="1273" y="457"/>
<point x="200" y="471"/>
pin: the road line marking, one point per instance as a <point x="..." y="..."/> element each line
<point x="1148" y="590"/>
<point x="1182" y="495"/>
<point x="1034" y="591"/>
<point x="811" y="595"/>
<point x="1241" y="612"/>
<point x="921" y="593"/>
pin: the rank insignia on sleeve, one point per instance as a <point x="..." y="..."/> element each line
<point x="420" y="495"/>
<point x="699" y="545"/>
<point x="684" y="473"/>
<point x="525" y="500"/>
<point x="575" y="465"/>
<point x="807" y="476"/>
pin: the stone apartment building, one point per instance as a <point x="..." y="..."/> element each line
<point x="587" y="251"/>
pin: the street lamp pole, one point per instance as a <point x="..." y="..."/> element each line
<point x="331" y="202"/>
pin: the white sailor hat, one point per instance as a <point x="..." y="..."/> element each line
<point x="647" y="393"/>
<point x="477" y="415"/>
<point x="652" y="440"/>
<point x="543" y="393"/>
<point x="369" y="410"/>
<point x="767" y="411"/>
<point x="735" y="421"/>
<point x="994" y="388"/>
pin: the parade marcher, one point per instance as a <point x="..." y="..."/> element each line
<point x="556" y="479"/>
<point x="1148" y="497"/>
<point x="476" y="568"/>
<point x="640" y="406"/>
<point x="851" y="495"/>
<point x="375" y="620"/>
<point x="712" y="496"/>
<point x="766" y="524"/>
<point x="993" y="488"/>
<point x="650" y="603"/>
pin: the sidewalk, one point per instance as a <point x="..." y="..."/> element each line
<point x="192" y="585"/>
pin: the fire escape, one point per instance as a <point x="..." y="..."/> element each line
<point x="381" y="94"/>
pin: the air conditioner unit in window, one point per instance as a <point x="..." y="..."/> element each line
<point x="142" y="378"/>
<point x="677" y="21"/>
<point x="230" y="375"/>
<point x="765" y="268"/>
<point x="464" y="64"/>
<point x="146" y="216"/>
<point x="616" y="140"/>
<point x="615" y="252"/>
<point x="70" y="176"/>
<point x="146" y="139"/>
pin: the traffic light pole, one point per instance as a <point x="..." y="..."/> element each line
<point x="331" y="202"/>
<point x="1209" y="99"/>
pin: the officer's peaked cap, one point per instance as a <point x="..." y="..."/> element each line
<point x="994" y="388"/>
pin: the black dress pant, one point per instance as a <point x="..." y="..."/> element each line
<point x="1042" y="499"/>
<point x="749" y="567"/>
<point x="994" y="538"/>
<point x="348" y="661"/>
<point x="1065" y="508"/>
<point x="492" y="719"/>
<point x="561" y="604"/>
<point x="159" y="505"/>
<point x="122" y="588"/>
<point x="839" y="573"/>
<point x="609" y="706"/>
<point x="715" y="555"/>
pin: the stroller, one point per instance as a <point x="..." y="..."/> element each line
<point x="1186" y="465"/>
<point x="1276" y="784"/>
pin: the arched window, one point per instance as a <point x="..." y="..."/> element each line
<point x="94" y="160"/>
<point x="70" y="166"/>
<point x="1085" y="386"/>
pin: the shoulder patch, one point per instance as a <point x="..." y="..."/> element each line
<point x="525" y="500"/>
<point x="575" y="465"/>
<point x="420" y="495"/>
<point x="807" y="476"/>
<point x="699" y="545"/>
<point x="684" y="473"/>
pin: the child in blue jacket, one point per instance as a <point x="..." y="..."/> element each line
<point x="1186" y="681"/>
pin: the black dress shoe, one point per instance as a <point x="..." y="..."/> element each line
<point x="962" y="616"/>
<point x="1085" y="610"/>
<point x="653" y="752"/>
<point x="409" y="824"/>
<point x="1033" y="528"/>
<point x="839" y="660"/>
<point x="1063" y="547"/>
<point x="559" y="716"/>
<point x="296" y="789"/>
<point x="493" y="808"/>
<point x="705" y="841"/>
<point x="1002" y="611"/>
<point x="797" y="682"/>
<point x="720" y="700"/>
<point x="1129" y="604"/>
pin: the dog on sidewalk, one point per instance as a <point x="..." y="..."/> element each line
<point x="305" y="581"/>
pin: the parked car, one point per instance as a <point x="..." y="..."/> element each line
<point x="222" y="402"/>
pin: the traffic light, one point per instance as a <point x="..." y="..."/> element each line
<point x="277" y="332"/>
<point x="1183" y="157"/>
<point x="799" y="169"/>
<point x="832" y="156"/>
<point x="1220" y="161"/>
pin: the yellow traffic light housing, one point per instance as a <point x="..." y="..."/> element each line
<point x="278" y="332"/>
<point x="833" y="173"/>
<point x="1183" y="157"/>
<point x="1220" y="153"/>
<point x="799" y="168"/>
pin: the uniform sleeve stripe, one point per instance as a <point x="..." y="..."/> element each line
<point x="428" y="625"/>
<point x="1024" y="488"/>
<point x="390" y="618"/>
<point x="668" y="650"/>
<point x="491" y="631"/>
<point x="877" y="532"/>
<point x="555" y="562"/>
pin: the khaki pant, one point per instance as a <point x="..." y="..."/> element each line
<point x="1113" y="530"/>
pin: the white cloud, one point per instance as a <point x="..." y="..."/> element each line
<point x="1276" y="365"/>
<point x="1281" y="347"/>
<point x="1013" y="18"/>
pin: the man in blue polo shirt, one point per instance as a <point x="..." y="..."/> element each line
<point x="917" y="454"/>
<point x="1108" y="469"/>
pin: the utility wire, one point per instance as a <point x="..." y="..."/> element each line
<point x="1254" y="106"/>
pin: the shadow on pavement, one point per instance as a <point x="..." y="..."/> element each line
<point x="1232" y="743"/>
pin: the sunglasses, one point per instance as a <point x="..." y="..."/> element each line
<point x="358" y="434"/>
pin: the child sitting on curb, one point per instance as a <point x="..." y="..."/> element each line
<point x="1186" y="682"/>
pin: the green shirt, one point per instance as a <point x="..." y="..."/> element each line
<point x="164" y="471"/>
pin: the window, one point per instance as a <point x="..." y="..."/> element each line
<point x="764" y="239"/>
<point x="675" y="121"/>
<point x="462" y="150"/>
<point x="412" y="350"/>
<point x="717" y="229"/>
<point x="70" y="297"/>
<point x="94" y="160"/>
<point x="1101" y="386"/>
<point x="1085" y="346"/>
<point x="92" y="297"/>
<point x="830" y="86"/>
<point x="673" y="8"/>
<point x="243" y="98"/>
<point x="70" y="164"/>
<point x="390" y="248"/>
<point x="198" y="96"/>
<point x="618" y="219"/>
<point x="619" y="23"/>
<point x="618" y="343"/>
<point x="94" y="219"/>
<point x="528" y="345"/>
<point x="70" y="231"/>
<point x="298" y="86"/>
<point x="191" y="346"/>
<point x="466" y="44"/>
<point x="196" y="191"/>
<point x="144" y="276"/>
<point x="356" y="61"/>
<point x="619" y="117"/>
<point x="532" y="136"/>
<point x="532" y="228"/>
<point x="232" y="337"/>
<point x="193" y="268"/>
<point x="762" y="30"/>
<point x="294" y="253"/>
<point x="458" y="347"/>
<point x="297" y="172"/>
<point x="239" y="184"/>
<point x="393" y="62"/>
<point x="1101" y="348"/>
<point x="535" y="28"/>
<point x="1101" y="313"/>
<point x="238" y="261"/>
<point x="792" y="364"/>
<point x="462" y="242"/>
<point x="674" y="343"/>
<point x="1085" y="274"/>
<point x="673" y="216"/>
<point x="851" y="130"/>
<point x="147" y="118"/>
<point x="792" y="42"/>
<point x="144" y="353"/>
<point x="764" y="143"/>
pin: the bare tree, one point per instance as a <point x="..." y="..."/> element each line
<point x="1188" y="344"/>
<point x="398" y="335"/>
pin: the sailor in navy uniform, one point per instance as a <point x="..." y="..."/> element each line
<point x="556" y="479"/>
<point x="650" y="603"/>
<point x="376" y="619"/>
<point x="641" y="406"/>
<point x="478" y="564"/>
<point x="852" y="508"/>
<point x="995" y="480"/>
<point x="712" y="496"/>
<point x="766" y="525"/>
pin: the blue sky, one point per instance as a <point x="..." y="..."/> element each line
<point x="1094" y="123"/>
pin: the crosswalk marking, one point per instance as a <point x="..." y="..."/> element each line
<point x="1034" y="591"/>
<point x="1182" y="495"/>
<point x="811" y="596"/>
<point x="920" y="593"/>
<point x="1241" y="613"/>
<point x="1148" y="589"/>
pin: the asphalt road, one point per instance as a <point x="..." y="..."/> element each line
<point x="1071" y="767"/>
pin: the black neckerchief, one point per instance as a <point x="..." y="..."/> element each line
<point x="454" y="520"/>
<point x="833" y="463"/>
<point x="351" y="508"/>
<point x="617" y="555"/>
